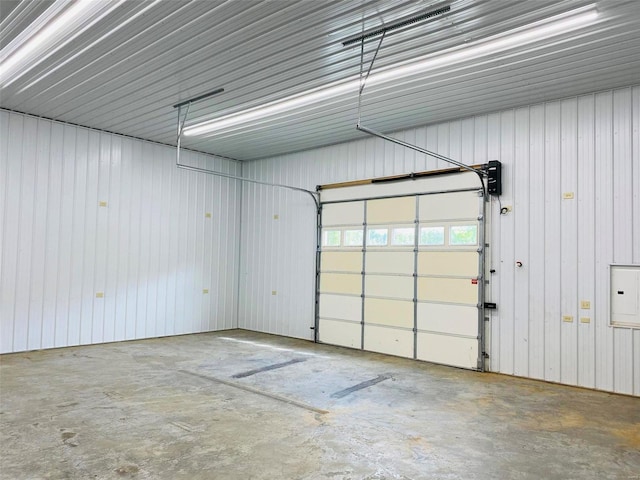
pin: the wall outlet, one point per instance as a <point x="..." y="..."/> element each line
<point x="276" y="217"/>
<point x="585" y="320"/>
<point x="99" y="294"/>
<point x="205" y="290"/>
<point x="273" y="292"/>
<point x="207" y="215"/>
<point x="102" y="203"/>
<point x="585" y="304"/>
<point x="567" y="318"/>
<point x="567" y="195"/>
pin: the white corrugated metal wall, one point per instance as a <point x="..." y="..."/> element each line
<point x="151" y="251"/>
<point x="588" y="145"/>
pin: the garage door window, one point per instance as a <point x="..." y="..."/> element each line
<point x="377" y="237"/>
<point x="463" y="235"/>
<point x="432" y="236"/>
<point x="403" y="236"/>
<point x="331" y="238"/>
<point x="353" y="238"/>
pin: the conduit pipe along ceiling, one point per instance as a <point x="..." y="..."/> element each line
<point x="531" y="33"/>
<point x="60" y="24"/>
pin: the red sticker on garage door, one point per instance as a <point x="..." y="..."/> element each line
<point x="474" y="281"/>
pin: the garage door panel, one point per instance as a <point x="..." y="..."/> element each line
<point x="391" y="341"/>
<point x="388" y="286"/>
<point x="451" y="319"/>
<point x="341" y="262"/>
<point x="348" y="213"/>
<point x="451" y="290"/>
<point x="337" y="332"/>
<point x="396" y="313"/>
<point x="449" y="206"/>
<point x="341" y="307"/>
<point x="448" y="263"/>
<point x="391" y="210"/>
<point x="341" y="283"/>
<point x="456" y="351"/>
<point x="390" y="262"/>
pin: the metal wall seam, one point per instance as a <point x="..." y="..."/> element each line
<point x="567" y="225"/>
<point x="492" y="337"/>
<point x="521" y="205"/>
<point x="504" y="257"/>
<point x="603" y="237"/>
<point x="585" y="274"/>
<point x="555" y="232"/>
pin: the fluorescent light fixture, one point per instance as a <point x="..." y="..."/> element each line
<point x="537" y="31"/>
<point x="91" y="45"/>
<point x="49" y="33"/>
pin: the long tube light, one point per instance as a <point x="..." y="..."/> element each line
<point x="58" y="66"/>
<point x="20" y="57"/>
<point x="537" y="31"/>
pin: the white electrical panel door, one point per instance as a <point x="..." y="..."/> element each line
<point x="401" y="274"/>
<point x="625" y="296"/>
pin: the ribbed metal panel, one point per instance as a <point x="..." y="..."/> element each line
<point x="151" y="250"/>
<point x="588" y="145"/>
<point x="261" y="51"/>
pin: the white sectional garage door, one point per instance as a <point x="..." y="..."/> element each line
<point x="400" y="269"/>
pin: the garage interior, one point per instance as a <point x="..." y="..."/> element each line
<point x="338" y="239"/>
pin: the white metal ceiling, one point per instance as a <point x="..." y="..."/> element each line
<point x="261" y="51"/>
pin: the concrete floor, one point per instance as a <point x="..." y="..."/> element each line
<point x="205" y="407"/>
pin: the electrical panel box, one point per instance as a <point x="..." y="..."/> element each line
<point x="494" y="180"/>
<point x="625" y="296"/>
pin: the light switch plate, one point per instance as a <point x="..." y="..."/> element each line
<point x="207" y="215"/>
<point x="585" y="320"/>
<point x="567" y="318"/>
<point x="102" y="203"/>
<point x="205" y="290"/>
<point x="99" y="294"/>
<point x="273" y="292"/>
<point x="585" y="304"/>
<point x="567" y="195"/>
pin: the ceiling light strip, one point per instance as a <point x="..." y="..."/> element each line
<point x="91" y="45"/>
<point x="56" y="34"/>
<point x="556" y="25"/>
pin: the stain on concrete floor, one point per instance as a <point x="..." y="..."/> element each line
<point x="125" y="410"/>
